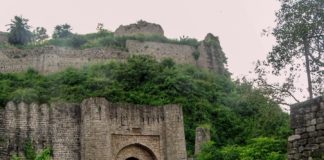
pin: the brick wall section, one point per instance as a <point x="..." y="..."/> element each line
<point x="307" y="123"/>
<point x="3" y="135"/>
<point x="181" y="54"/>
<point x="95" y="129"/>
<point x="53" y="59"/>
<point x="66" y="131"/>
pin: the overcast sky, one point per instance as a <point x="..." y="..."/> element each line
<point x="238" y="23"/>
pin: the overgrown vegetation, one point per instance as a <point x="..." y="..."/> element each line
<point x="30" y="153"/>
<point x="236" y="112"/>
<point x="104" y="38"/>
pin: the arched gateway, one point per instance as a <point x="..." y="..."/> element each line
<point x="135" y="152"/>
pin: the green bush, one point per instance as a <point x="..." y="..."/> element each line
<point x="261" y="148"/>
<point x="77" y="41"/>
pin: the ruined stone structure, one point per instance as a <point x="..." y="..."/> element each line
<point x="202" y="136"/>
<point x="52" y="59"/>
<point x="307" y="123"/>
<point x="94" y="130"/>
<point x="140" y="28"/>
<point x="3" y="37"/>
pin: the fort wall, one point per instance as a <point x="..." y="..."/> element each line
<point x="52" y="59"/>
<point x="307" y="123"/>
<point x="94" y="129"/>
<point x="181" y="54"/>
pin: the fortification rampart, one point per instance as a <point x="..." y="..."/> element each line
<point x="52" y="59"/>
<point x="307" y="123"/>
<point x="182" y="54"/>
<point x="94" y="129"/>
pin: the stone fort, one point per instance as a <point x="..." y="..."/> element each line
<point x="51" y="59"/>
<point x="97" y="129"/>
<point x="94" y="130"/>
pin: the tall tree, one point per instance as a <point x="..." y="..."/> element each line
<point x="62" y="31"/>
<point x="19" y="33"/>
<point x="299" y="35"/>
<point x="40" y="34"/>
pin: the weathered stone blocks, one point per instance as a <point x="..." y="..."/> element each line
<point x="307" y="141"/>
<point x="140" y="28"/>
<point x="95" y="129"/>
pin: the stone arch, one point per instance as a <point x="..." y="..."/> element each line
<point x="135" y="152"/>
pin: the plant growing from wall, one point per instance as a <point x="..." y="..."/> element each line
<point x="31" y="154"/>
<point x="196" y="54"/>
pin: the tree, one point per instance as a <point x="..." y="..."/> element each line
<point x="300" y="45"/>
<point x="40" y="34"/>
<point x="62" y="31"/>
<point x="19" y="33"/>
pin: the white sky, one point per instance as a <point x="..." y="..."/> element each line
<point x="238" y="23"/>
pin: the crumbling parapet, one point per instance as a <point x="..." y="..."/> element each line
<point x="202" y="136"/>
<point x="140" y="28"/>
<point x="307" y="123"/>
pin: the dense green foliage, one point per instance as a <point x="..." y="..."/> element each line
<point x="235" y="112"/>
<point x="262" y="148"/>
<point x="31" y="154"/>
<point x="19" y="33"/>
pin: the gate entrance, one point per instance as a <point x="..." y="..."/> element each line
<point x="135" y="152"/>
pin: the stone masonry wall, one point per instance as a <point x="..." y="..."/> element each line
<point x="55" y="126"/>
<point x="95" y="129"/>
<point x="140" y="28"/>
<point x="181" y="54"/>
<point x="307" y="123"/>
<point x="53" y="59"/>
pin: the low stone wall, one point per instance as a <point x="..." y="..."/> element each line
<point x="307" y="123"/>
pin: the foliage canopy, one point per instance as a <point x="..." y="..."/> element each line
<point x="235" y="111"/>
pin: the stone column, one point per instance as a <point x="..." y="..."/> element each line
<point x="202" y="136"/>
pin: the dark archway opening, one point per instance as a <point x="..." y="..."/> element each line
<point x="132" y="158"/>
